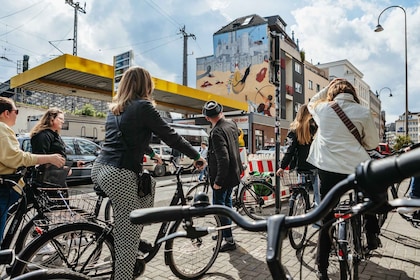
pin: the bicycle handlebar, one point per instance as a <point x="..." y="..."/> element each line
<point x="373" y="177"/>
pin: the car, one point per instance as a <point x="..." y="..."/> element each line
<point x="165" y="152"/>
<point x="77" y="149"/>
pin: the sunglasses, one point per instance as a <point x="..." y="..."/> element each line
<point x="17" y="111"/>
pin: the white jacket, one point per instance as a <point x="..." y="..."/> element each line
<point x="334" y="148"/>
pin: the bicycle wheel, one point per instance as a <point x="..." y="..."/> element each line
<point x="200" y="187"/>
<point x="190" y="258"/>
<point x="298" y="205"/>
<point x="257" y="200"/>
<point x="52" y="274"/>
<point x="82" y="247"/>
<point x="348" y="256"/>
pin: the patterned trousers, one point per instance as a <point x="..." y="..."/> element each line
<point x="121" y="187"/>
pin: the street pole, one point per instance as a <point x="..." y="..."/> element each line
<point x="379" y="28"/>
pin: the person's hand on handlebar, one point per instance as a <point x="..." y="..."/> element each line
<point x="200" y="163"/>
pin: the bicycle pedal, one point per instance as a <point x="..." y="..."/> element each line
<point x="145" y="246"/>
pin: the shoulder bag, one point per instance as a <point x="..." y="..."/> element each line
<point x="349" y="124"/>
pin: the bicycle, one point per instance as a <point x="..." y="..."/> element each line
<point x="88" y="248"/>
<point x="299" y="184"/>
<point x="254" y="195"/>
<point x="8" y="256"/>
<point x="371" y="177"/>
<point x="35" y="204"/>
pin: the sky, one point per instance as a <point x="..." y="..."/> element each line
<point x="327" y="30"/>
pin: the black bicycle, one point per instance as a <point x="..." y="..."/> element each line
<point x="8" y="257"/>
<point x="299" y="184"/>
<point x="88" y="248"/>
<point x="41" y="206"/>
<point x="372" y="177"/>
<point x="254" y="196"/>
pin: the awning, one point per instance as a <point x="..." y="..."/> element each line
<point x="76" y="76"/>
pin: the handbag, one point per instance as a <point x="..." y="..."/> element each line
<point x="349" y="124"/>
<point x="144" y="180"/>
<point x="144" y="185"/>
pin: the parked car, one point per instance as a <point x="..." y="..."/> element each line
<point x="77" y="149"/>
<point x="165" y="152"/>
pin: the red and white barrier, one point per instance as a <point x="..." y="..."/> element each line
<point x="263" y="163"/>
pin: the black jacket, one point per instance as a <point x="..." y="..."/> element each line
<point x="136" y="123"/>
<point x="296" y="154"/>
<point x="48" y="142"/>
<point x="224" y="161"/>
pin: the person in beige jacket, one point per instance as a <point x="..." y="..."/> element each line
<point x="336" y="152"/>
<point x="12" y="157"/>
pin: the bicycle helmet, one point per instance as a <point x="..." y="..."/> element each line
<point x="212" y="108"/>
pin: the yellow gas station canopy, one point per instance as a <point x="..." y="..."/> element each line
<point x="76" y="76"/>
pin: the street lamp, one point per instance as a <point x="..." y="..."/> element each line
<point x="379" y="28"/>
<point x="380" y="110"/>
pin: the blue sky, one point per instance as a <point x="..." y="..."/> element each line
<point x="327" y="30"/>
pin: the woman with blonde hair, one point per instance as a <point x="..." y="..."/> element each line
<point x="129" y="126"/>
<point x="299" y="139"/>
<point x="336" y="152"/>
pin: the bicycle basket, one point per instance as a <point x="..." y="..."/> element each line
<point x="289" y="179"/>
<point x="261" y="189"/>
<point x="74" y="206"/>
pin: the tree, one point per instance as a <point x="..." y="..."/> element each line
<point x="401" y="141"/>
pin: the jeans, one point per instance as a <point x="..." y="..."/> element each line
<point x="7" y="197"/>
<point x="202" y="174"/>
<point x="224" y="197"/>
<point x="415" y="187"/>
<point x="315" y="184"/>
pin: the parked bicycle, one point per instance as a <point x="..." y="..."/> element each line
<point x="254" y="196"/>
<point x="8" y="257"/>
<point x="371" y="177"/>
<point x="88" y="247"/>
<point x="37" y="208"/>
<point x="299" y="203"/>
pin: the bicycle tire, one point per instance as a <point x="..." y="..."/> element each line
<point x="347" y="242"/>
<point x="82" y="247"/>
<point x="298" y="205"/>
<point x="52" y="274"/>
<point x="191" y="258"/>
<point x="200" y="187"/>
<point x="254" y="205"/>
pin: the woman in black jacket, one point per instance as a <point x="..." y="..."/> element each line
<point x="299" y="139"/>
<point x="129" y="126"/>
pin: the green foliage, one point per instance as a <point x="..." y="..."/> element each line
<point x="101" y="115"/>
<point x="401" y="141"/>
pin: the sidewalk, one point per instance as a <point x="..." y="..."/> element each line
<point x="399" y="258"/>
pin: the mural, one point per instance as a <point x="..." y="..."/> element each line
<point x="239" y="68"/>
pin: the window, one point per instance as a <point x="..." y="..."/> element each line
<point x="310" y="84"/>
<point x="318" y="87"/>
<point x="298" y="68"/>
<point x="298" y="87"/>
<point x="87" y="147"/>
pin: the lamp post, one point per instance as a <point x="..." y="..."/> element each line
<point x="379" y="28"/>
<point x="380" y="110"/>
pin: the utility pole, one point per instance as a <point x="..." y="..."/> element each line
<point x="77" y="9"/>
<point x="185" y="60"/>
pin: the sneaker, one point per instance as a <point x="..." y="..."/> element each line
<point x="228" y="246"/>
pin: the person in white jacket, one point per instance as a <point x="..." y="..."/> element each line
<point x="336" y="152"/>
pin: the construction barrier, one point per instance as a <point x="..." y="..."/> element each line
<point x="266" y="163"/>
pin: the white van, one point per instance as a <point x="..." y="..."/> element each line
<point x="164" y="152"/>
